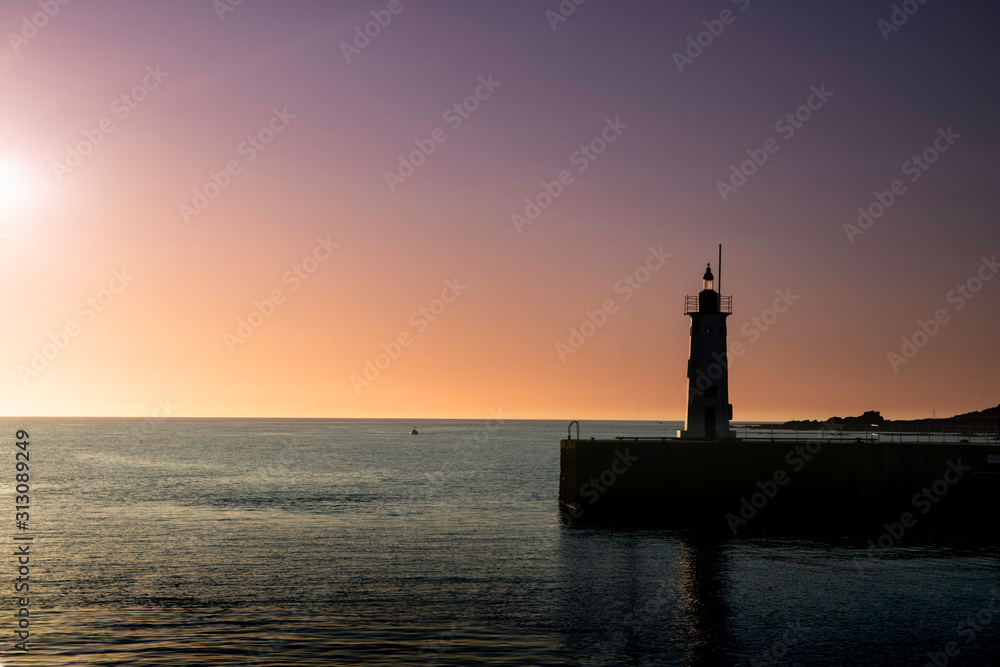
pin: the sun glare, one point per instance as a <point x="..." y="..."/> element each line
<point x="18" y="188"/>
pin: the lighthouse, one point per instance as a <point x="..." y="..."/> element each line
<point x="709" y="409"/>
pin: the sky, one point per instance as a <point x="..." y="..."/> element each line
<point x="441" y="209"/>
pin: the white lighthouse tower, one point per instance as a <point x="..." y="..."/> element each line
<point x="709" y="409"/>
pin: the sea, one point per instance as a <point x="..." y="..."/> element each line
<point x="352" y="542"/>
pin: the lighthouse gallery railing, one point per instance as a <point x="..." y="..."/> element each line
<point x="691" y="304"/>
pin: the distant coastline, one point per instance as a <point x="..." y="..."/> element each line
<point x="988" y="418"/>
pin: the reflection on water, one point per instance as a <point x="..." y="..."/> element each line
<point x="197" y="548"/>
<point x="704" y="619"/>
<point x="646" y="597"/>
<point x="683" y="598"/>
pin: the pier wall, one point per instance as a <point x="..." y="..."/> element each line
<point x="686" y="481"/>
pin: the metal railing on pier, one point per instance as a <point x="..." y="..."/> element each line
<point x="875" y="433"/>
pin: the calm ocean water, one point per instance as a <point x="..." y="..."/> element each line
<point x="348" y="542"/>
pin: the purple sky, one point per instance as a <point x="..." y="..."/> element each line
<point x="679" y="134"/>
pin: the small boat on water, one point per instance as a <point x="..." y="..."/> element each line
<point x="414" y="432"/>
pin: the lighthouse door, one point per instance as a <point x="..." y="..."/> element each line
<point x="710" y="422"/>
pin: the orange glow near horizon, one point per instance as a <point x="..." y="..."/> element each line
<point x="164" y="240"/>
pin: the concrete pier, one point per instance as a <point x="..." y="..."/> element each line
<point x="741" y="485"/>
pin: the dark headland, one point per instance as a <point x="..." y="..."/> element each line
<point x="988" y="419"/>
